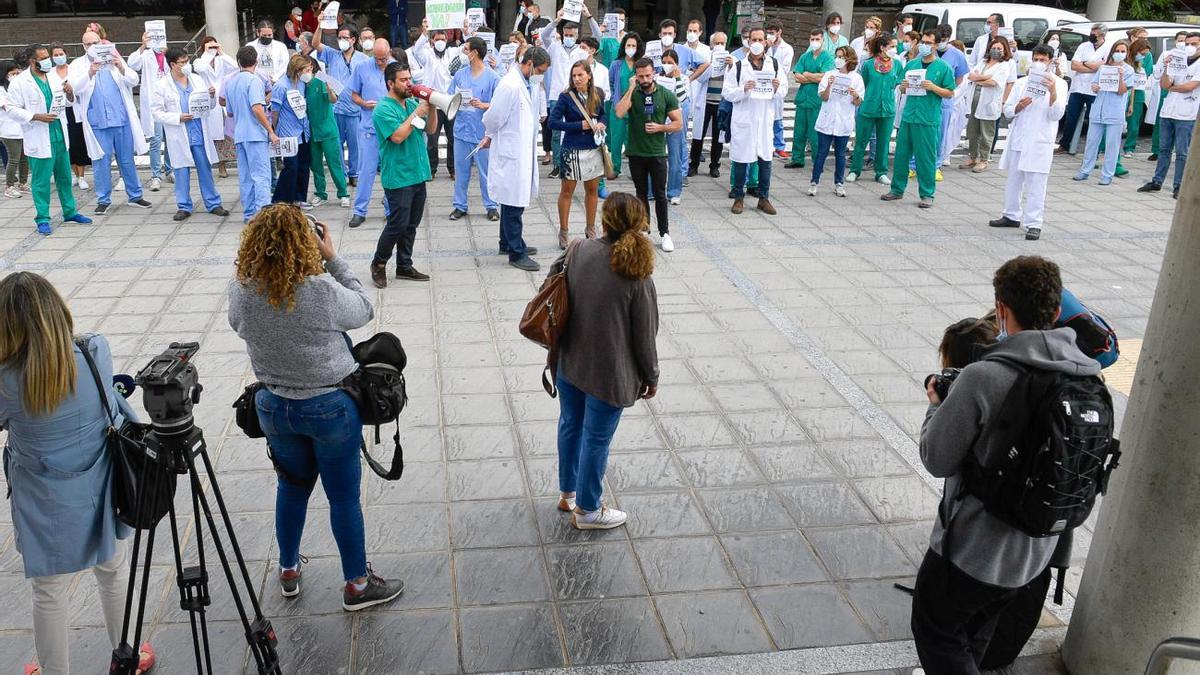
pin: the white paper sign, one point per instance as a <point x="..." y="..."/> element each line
<point x="572" y="10"/>
<point x="489" y="39"/>
<point x="1177" y="63"/>
<point x="1006" y="33"/>
<point x="334" y="86"/>
<point x="840" y="87"/>
<point x="447" y="14"/>
<point x="199" y="104"/>
<point x="475" y="19"/>
<point x="913" y="80"/>
<point x="265" y="63"/>
<point x="508" y="54"/>
<point x="1140" y="81"/>
<point x="1036" y="87"/>
<point x="750" y="7"/>
<point x="156" y="31"/>
<point x="466" y="94"/>
<point x="654" y="51"/>
<point x="612" y="26"/>
<point x="764" y="85"/>
<point x="329" y="16"/>
<point x="58" y="104"/>
<point x="287" y="146"/>
<point x="298" y="104"/>
<point x="102" y="53"/>
<point x="718" y="62"/>
<point x="1109" y="78"/>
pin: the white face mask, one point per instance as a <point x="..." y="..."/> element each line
<point x="439" y="45"/>
<point x="59" y="60"/>
<point x="757" y="48"/>
<point x="693" y="37"/>
<point x="368" y="44"/>
<point x="1053" y="44"/>
<point x="1181" y="44"/>
<point x="835" y="29"/>
<point x="186" y="69"/>
<point x="839" y="63"/>
<point x="718" y="45"/>
<point x="771" y="38"/>
<point x="869" y="33"/>
<point x="667" y="40"/>
<point x="343" y="45"/>
<point x="1037" y="68"/>
<point x="1190" y="50"/>
<point x="668" y="68"/>
<point x="306" y="77"/>
<point x="620" y="25"/>
<point x="535" y="79"/>
<point x="630" y="51"/>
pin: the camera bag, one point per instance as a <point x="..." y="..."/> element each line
<point x="379" y="390"/>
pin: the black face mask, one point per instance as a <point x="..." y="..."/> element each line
<point x="264" y="41"/>
<point x="1093" y="38"/>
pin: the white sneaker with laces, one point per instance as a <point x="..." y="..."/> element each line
<point x="812" y="190"/>
<point x="83" y="184"/>
<point x="676" y="201"/>
<point x="12" y="192"/>
<point x="851" y="177"/>
<point x="155" y="184"/>
<point x="602" y="519"/>
<point x="884" y="180"/>
<point x="345" y="202"/>
<point x="839" y="190"/>
<point x="305" y="206"/>
<point x="667" y="244"/>
<point x="317" y="201"/>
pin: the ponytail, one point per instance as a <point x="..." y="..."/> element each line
<point x="626" y="221"/>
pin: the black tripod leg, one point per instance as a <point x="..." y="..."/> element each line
<point x="125" y="656"/>
<point x="198" y="588"/>
<point x="187" y="596"/>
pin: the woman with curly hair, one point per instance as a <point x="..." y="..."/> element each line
<point x="292" y="300"/>
<point x="607" y="355"/>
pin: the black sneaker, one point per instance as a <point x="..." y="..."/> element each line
<point x="220" y="211"/>
<point x="353" y="181"/>
<point x="752" y="192"/>
<point x="181" y="215"/>
<point x="554" y="173"/>
<point x="1150" y="187"/>
<point x="377" y="592"/>
<point x="1175" y="193"/>
<point x="411" y="274"/>
<point x="457" y="213"/>
<point x="693" y="170"/>
<point x="1153" y="157"/>
<point x="529" y="250"/>
<point x="1033" y="234"/>
<point x="357" y="220"/>
<point x="714" y="172"/>
<point x="525" y="263"/>
<point x="289" y="580"/>
<point x="102" y="209"/>
<point x="1004" y="221"/>
<point x="493" y="215"/>
<point x="140" y="203"/>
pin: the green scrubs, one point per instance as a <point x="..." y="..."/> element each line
<point x="1134" y="123"/>
<point x="920" y="130"/>
<point x="618" y="127"/>
<point x="325" y="143"/>
<point x="57" y="165"/>
<point x="876" y="115"/>
<point x="808" y="104"/>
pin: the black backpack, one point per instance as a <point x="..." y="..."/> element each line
<point x="1052" y="452"/>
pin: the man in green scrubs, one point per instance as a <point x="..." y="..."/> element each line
<point x="920" y="124"/>
<point x="58" y="164"/>
<point x="808" y="71"/>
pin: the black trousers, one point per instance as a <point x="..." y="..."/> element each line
<point x="954" y="617"/>
<point x="546" y="142"/>
<point x="292" y="184"/>
<point x="656" y="169"/>
<point x="444" y="126"/>
<point x="405" y="205"/>
<point x="709" y="125"/>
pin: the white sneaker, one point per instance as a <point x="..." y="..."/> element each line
<point x="305" y="206"/>
<point x="851" y="177"/>
<point x="566" y="502"/>
<point x="839" y="190"/>
<point x="884" y="180"/>
<point x="155" y="184"/>
<point x="676" y="201"/>
<point x="317" y="201"/>
<point x="25" y="189"/>
<point x="667" y="244"/>
<point x="12" y="192"/>
<point x="83" y="184"/>
<point x="345" y="202"/>
<point x="812" y="190"/>
<point x="602" y="519"/>
<point x="119" y="186"/>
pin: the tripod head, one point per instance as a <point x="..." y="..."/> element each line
<point x="170" y="386"/>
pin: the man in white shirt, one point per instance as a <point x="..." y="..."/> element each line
<point x="697" y="78"/>
<point x="1088" y="59"/>
<point x="273" y="55"/>
<point x="434" y="55"/>
<point x="979" y="52"/>
<point x="1177" y="117"/>
<point x="784" y="54"/>
<point x="1036" y="105"/>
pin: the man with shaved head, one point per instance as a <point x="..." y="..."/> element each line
<point x="367" y="88"/>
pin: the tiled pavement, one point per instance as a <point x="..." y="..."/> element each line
<point x="772" y="484"/>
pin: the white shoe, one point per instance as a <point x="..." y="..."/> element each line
<point x="676" y="201"/>
<point x="667" y="244"/>
<point x="12" y="192"/>
<point x="851" y="177"/>
<point x="317" y="201"/>
<point x="566" y="502"/>
<point x="602" y="519"/>
<point x="25" y="189"/>
<point x="83" y="184"/>
<point x="812" y="190"/>
<point x="305" y="206"/>
<point x="884" y="180"/>
<point x="155" y="184"/>
<point x="120" y="185"/>
<point x="839" y="190"/>
<point x="74" y="180"/>
<point x="345" y="202"/>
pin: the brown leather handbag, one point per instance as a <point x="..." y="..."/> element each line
<point x="545" y="319"/>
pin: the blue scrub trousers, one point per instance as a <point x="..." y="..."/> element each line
<point x="208" y="189"/>
<point x="462" y="175"/>
<point x="254" y="176"/>
<point x="160" y="164"/>
<point x="677" y="163"/>
<point x="118" y="142"/>
<point x="586" y="426"/>
<point x="347" y="126"/>
<point x="368" y="167"/>
<point x="944" y="152"/>
<point x="1111" y="135"/>
<point x="778" y="129"/>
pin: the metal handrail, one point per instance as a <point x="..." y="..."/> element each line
<point x="1171" y="649"/>
<point x="190" y="45"/>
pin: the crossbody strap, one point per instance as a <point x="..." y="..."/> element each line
<point x="87" y="355"/>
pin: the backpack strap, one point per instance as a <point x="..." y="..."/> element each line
<point x="397" y="466"/>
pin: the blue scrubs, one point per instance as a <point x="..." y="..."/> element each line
<point x="345" y="111"/>
<point x="243" y="92"/>
<point x="110" y="124"/>
<point x="958" y="63"/>
<point x="468" y="133"/>
<point x="367" y="81"/>
<point x="292" y="183"/>
<point x="208" y="189"/>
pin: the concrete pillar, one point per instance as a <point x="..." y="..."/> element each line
<point x="1142" y="576"/>
<point x="506" y="14"/>
<point x="26" y="9"/>
<point x="222" y="19"/>
<point x="1103" y="10"/>
<point x="843" y="7"/>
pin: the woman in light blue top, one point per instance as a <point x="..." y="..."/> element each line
<point x="56" y="464"/>
<point x="289" y="106"/>
<point x="1107" y="119"/>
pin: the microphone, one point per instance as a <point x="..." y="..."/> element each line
<point x="124" y="385"/>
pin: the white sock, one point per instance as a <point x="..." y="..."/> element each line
<point x="359" y="588"/>
<point x="293" y="568"/>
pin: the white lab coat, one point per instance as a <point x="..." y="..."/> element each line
<point x="25" y="100"/>
<point x="1032" y="131"/>
<point x="82" y="82"/>
<point x="512" y="124"/>
<point x="167" y="111"/>
<point x="786" y="56"/>
<point x="752" y="135"/>
<point x="838" y="114"/>
<point x="435" y="69"/>
<point x="991" y="99"/>
<point x="144" y="62"/>
<point x="561" y="59"/>
<point x="276" y="53"/>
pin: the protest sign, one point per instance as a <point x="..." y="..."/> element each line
<point x="573" y="10"/>
<point x="446" y="14"/>
<point x="475" y="19"/>
<point x="764" y="85"/>
<point x="718" y="62"/>
<point x="287" y="146"/>
<point x="654" y="51"/>
<point x="912" y="82"/>
<point x="199" y="104"/>
<point x="612" y="26"/>
<point x="329" y="16"/>
<point x="1109" y="78"/>
<point x="156" y="31"/>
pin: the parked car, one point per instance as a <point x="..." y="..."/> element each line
<point x="1162" y="33"/>
<point x="969" y="20"/>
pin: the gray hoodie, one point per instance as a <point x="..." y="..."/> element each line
<point x="982" y="546"/>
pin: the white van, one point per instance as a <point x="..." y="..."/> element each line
<point x="969" y="20"/>
<point x="1162" y="34"/>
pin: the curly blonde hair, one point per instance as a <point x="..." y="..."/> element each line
<point x="278" y="251"/>
<point x="625" y="220"/>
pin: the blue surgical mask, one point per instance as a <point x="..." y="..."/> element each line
<point x="568" y="42"/>
<point x="46" y="64"/>
<point x="924" y="50"/>
<point x="1002" y="335"/>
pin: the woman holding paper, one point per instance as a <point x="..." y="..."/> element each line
<point x="986" y="84"/>
<point x="214" y="66"/>
<point x="580" y="160"/>
<point x="289" y="107"/>
<point x="80" y="160"/>
<point x="881" y="74"/>
<point x="841" y="91"/>
<point x="1107" y="120"/>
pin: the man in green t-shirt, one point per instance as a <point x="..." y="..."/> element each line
<point x="653" y="113"/>
<point x="402" y="125"/>
<point x="920" y="124"/>
<point x="810" y="68"/>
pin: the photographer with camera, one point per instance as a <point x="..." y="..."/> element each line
<point x="58" y="470"/>
<point x="982" y="554"/>
<point x="292" y="301"/>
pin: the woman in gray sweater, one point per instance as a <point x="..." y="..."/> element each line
<point x="607" y="355"/>
<point x="292" y="301"/>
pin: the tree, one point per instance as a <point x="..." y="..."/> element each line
<point x="1148" y="10"/>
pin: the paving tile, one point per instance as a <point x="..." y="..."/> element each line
<point x="480" y="442"/>
<point x="744" y="510"/>
<point x="885" y="609"/>
<point x="898" y="499"/>
<point x="814" y="615"/>
<point x="822" y="504"/>
<point x="859" y="553"/>
<point x="491" y="479"/>
<point x="712" y="624"/>
<point x="796" y="462"/>
<point x="427" y="638"/>
<point x="473" y="524"/>
<point x="864" y="458"/>
<point x="719" y="467"/>
<point x="769" y="558"/>
<point x="500" y="576"/>
<point x="668" y="514"/>
<point x="621" y="630"/>
<point x="514" y="637"/>
<point x="594" y="571"/>
<point x="639" y="471"/>
<point x="684" y="564"/>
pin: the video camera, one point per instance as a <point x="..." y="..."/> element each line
<point x="171" y="386"/>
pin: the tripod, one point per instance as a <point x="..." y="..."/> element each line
<point x="169" y="450"/>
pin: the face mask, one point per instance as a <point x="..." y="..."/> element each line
<point x="718" y="45"/>
<point x="668" y="68"/>
<point x="869" y="33"/>
<point x="343" y="45"/>
<point x="568" y="42"/>
<point x="368" y="44"/>
<point x="1118" y="56"/>
<point x="771" y="38"/>
<point x="839" y="63"/>
<point x="535" y="79"/>
<point x="1093" y="39"/>
<point x="667" y="40"/>
<point x="814" y="46"/>
<point x="1181" y="44"/>
<point x="1037" y="68"/>
<point x="757" y="48"/>
<point x="997" y="54"/>
<point x="59" y="60"/>
<point x="693" y="37"/>
<point x="439" y="45"/>
<point x="630" y="51"/>
<point x="620" y="25"/>
<point x="1053" y="44"/>
<point x="186" y="69"/>
<point x="1190" y="50"/>
<point x="46" y="64"/>
<point x="835" y="29"/>
<point x="306" y="77"/>
<point x="942" y="48"/>
<point x="924" y="50"/>
<point x="211" y="50"/>
<point x="264" y="41"/>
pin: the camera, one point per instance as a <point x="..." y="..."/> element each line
<point x="317" y="227"/>
<point x="170" y="386"/>
<point x="942" y="381"/>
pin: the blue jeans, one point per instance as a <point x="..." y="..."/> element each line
<point x="311" y="438"/>
<point x="462" y="174"/>
<point x="1172" y="134"/>
<point x="368" y="167"/>
<point x="839" y="167"/>
<point x="347" y="126"/>
<point x="764" y="179"/>
<point x="512" y="227"/>
<point x="254" y="176"/>
<point x="116" y="142"/>
<point x="585" y="429"/>
<point x="208" y="189"/>
<point x="160" y="164"/>
<point x="677" y="163"/>
<point x="778" y="131"/>
<point x="1111" y="135"/>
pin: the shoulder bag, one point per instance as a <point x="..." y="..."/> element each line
<point x="610" y="172"/>
<point x="545" y="318"/>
